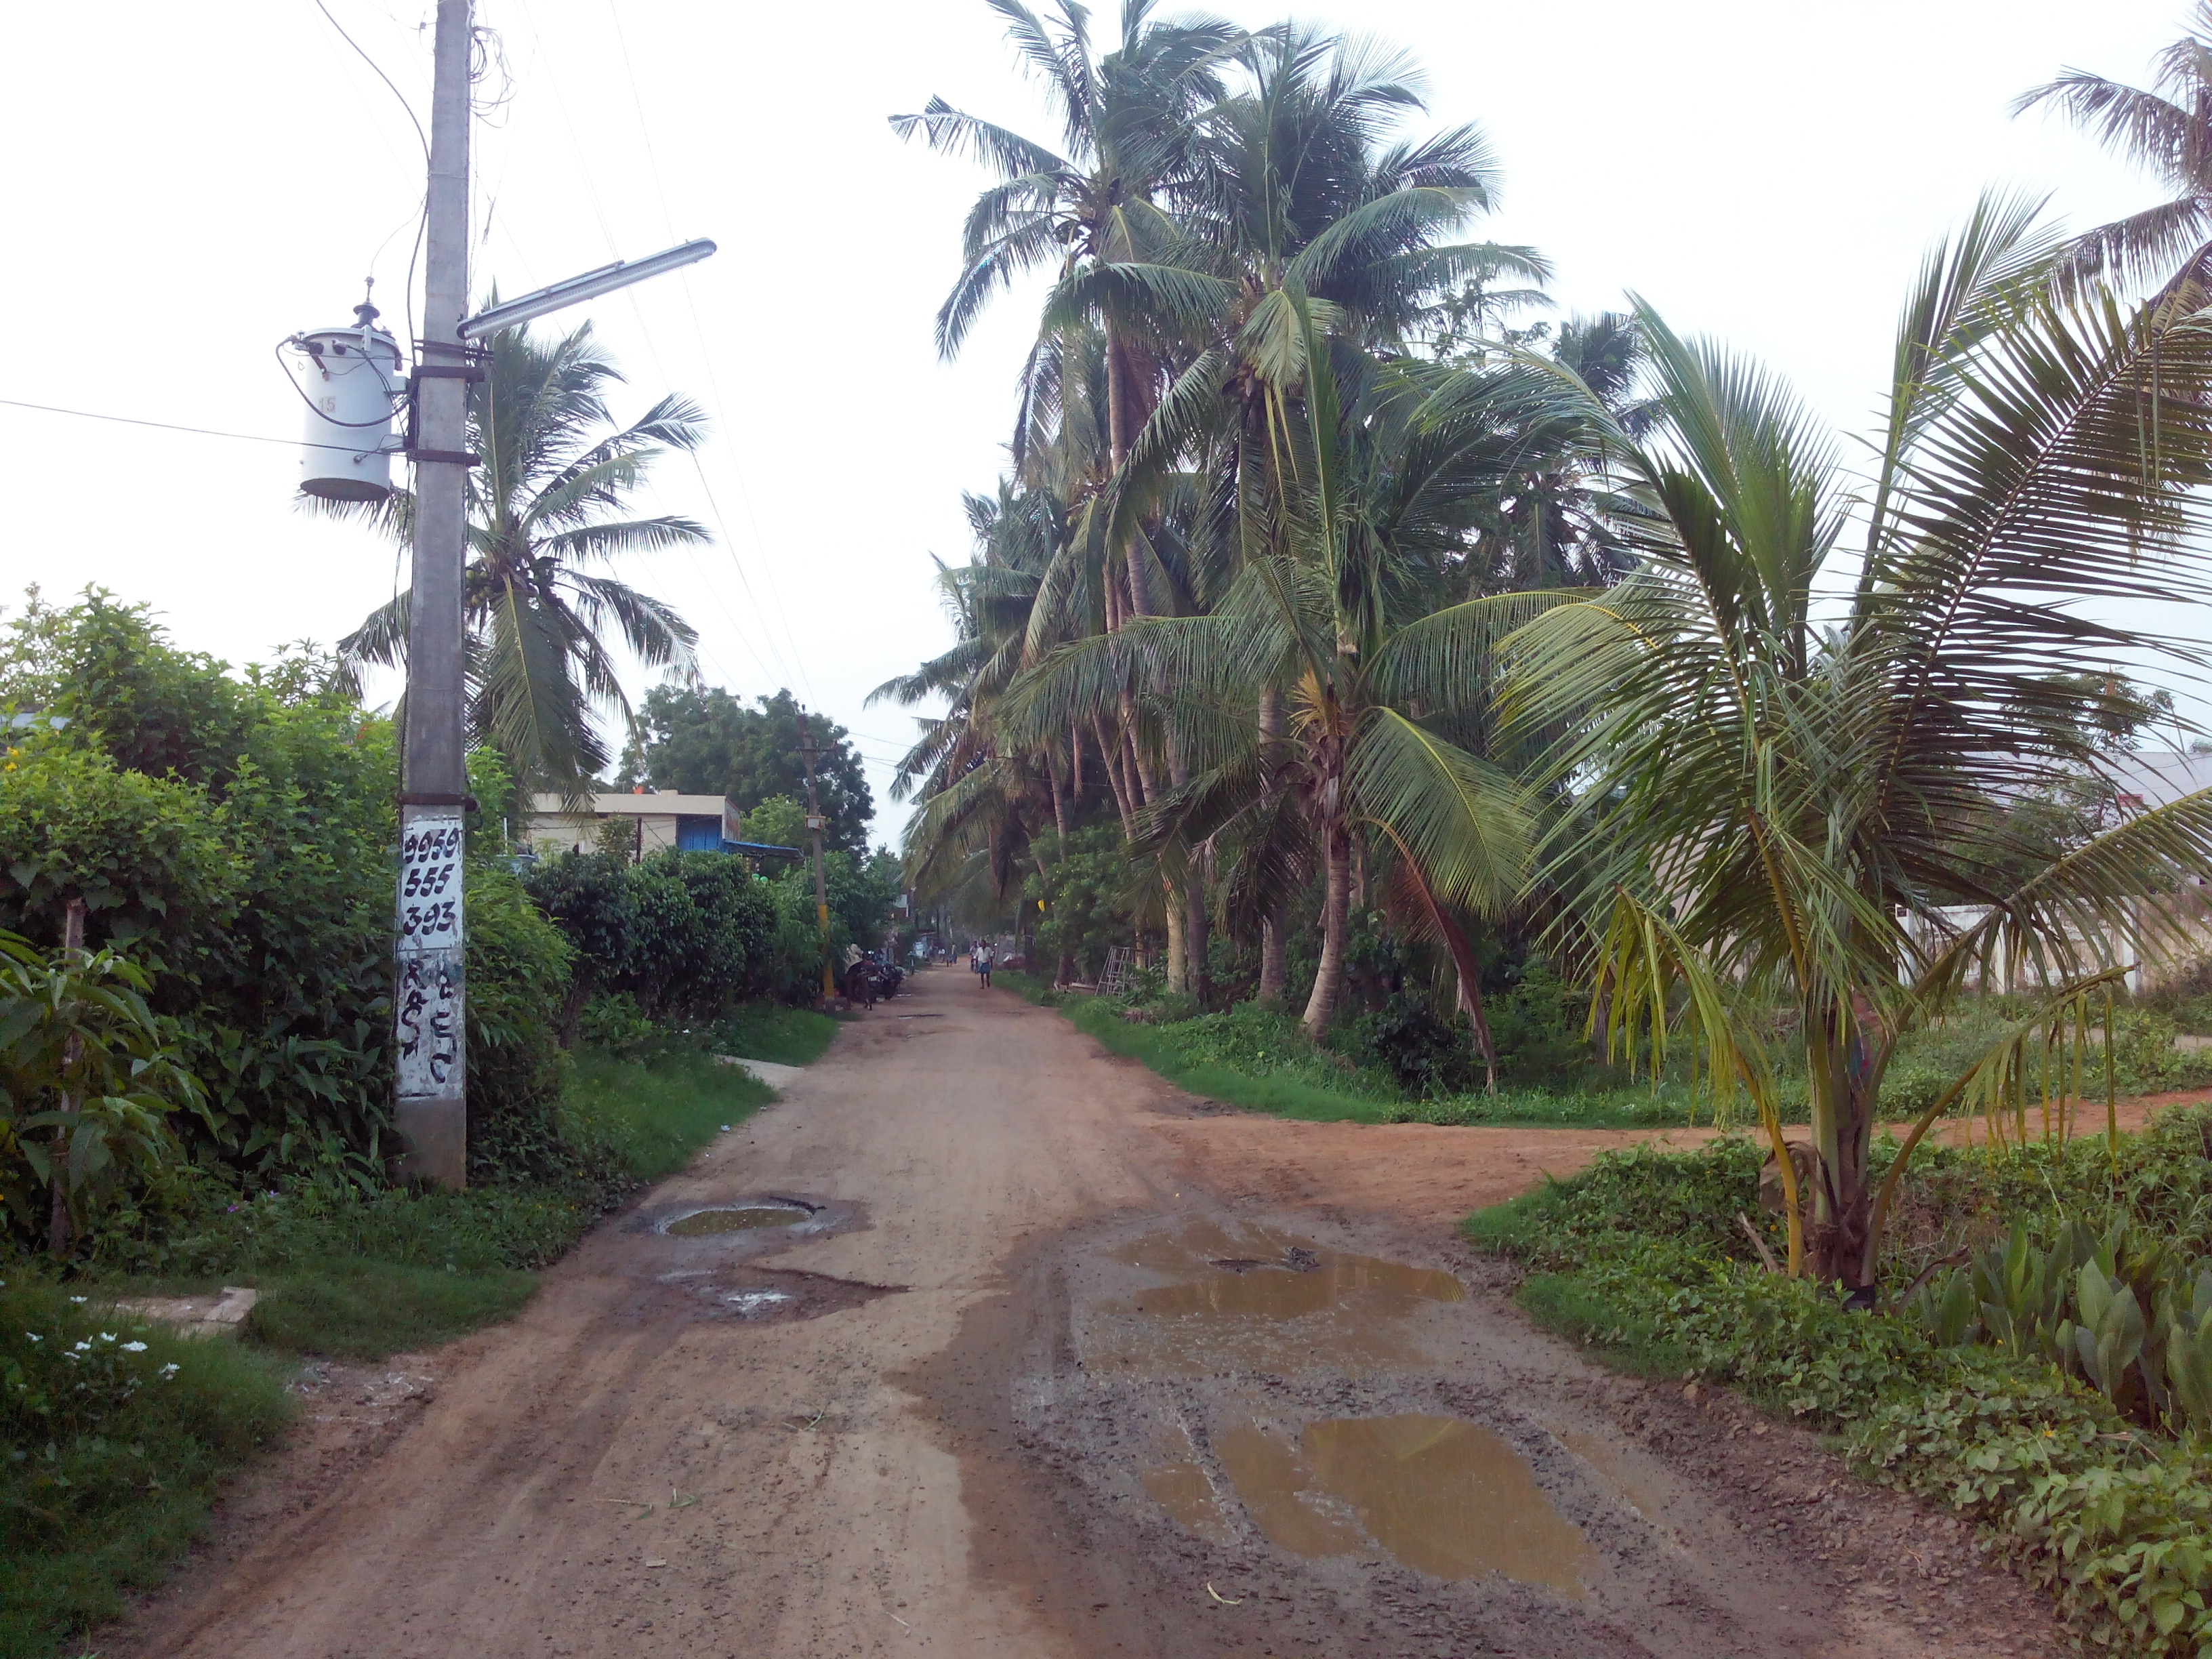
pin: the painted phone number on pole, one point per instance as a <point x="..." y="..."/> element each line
<point x="429" y="953"/>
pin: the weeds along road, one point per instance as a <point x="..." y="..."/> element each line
<point x="1052" y="1369"/>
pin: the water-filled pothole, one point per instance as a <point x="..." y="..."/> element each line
<point x="1442" y="1495"/>
<point x="738" y="1219"/>
<point x="1254" y="1299"/>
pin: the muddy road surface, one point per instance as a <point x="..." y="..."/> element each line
<point x="983" y="1343"/>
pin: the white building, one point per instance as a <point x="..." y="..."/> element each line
<point x="656" y="820"/>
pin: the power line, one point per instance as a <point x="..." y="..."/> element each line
<point x="420" y="136"/>
<point x="714" y="378"/>
<point x="171" y="425"/>
<point x="599" y="211"/>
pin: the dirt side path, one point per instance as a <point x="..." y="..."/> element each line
<point x="920" y="1421"/>
<point x="1438" y="1175"/>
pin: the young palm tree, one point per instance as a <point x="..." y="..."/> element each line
<point x="2168" y="132"/>
<point x="1787" y="771"/>
<point x="545" y="508"/>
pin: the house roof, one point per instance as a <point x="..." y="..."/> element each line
<point x="662" y="804"/>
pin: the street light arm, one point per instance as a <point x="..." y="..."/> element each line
<point x="605" y="280"/>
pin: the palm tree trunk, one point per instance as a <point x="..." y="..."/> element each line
<point x="1191" y="898"/>
<point x="1059" y="799"/>
<point x="1275" y="927"/>
<point x="1465" y="968"/>
<point x="1178" y="960"/>
<point x="1844" y="1077"/>
<point x="1274" y="960"/>
<point x="1109" y="753"/>
<point x="1329" y="982"/>
<point x="1197" y="932"/>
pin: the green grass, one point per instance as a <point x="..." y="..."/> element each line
<point x="1261" y="1060"/>
<point x="1264" y="1063"/>
<point x="773" y="1032"/>
<point x="652" y="1112"/>
<point x="357" y="1309"/>
<point x="1162" y="1048"/>
<point x="107" y="1464"/>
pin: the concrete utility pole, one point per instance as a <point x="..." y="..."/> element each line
<point x="821" y="887"/>
<point x="427" y="1004"/>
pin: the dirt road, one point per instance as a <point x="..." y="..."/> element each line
<point x="1048" y="1362"/>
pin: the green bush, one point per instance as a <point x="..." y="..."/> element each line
<point x="1641" y="1256"/>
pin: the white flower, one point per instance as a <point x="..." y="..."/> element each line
<point x="80" y="1299"/>
<point x="107" y="1336"/>
<point x="81" y="1346"/>
<point x="169" y="1370"/>
<point x="134" y="1347"/>
<point x="34" y="1336"/>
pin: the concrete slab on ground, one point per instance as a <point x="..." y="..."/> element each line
<point x="767" y="1071"/>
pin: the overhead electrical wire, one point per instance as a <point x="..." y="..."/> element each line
<point x="714" y="379"/>
<point x="420" y="138"/>
<point x="171" y="425"/>
<point x="592" y="195"/>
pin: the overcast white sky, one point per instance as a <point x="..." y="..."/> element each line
<point x="189" y="185"/>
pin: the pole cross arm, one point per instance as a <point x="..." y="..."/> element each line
<point x="605" y="280"/>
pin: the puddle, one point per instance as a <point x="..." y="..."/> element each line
<point x="1605" y="1461"/>
<point x="1442" y="1495"/>
<point x="1182" y="1490"/>
<point x="751" y="1304"/>
<point x="1282" y="1496"/>
<point x="1177" y="1483"/>
<point x="770" y="1295"/>
<point x="743" y="1219"/>
<point x="1258" y="1300"/>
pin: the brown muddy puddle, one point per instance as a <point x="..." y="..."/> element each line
<point x="1442" y="1495"/>
<point x="701" y="1224"/>
<point x="1450" y="1498"/>
<point x="1252" y="1298"/>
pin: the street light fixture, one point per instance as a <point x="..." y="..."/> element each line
<point x="605" y="280"/>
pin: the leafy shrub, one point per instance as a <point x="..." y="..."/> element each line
<point x="1642" y="1254"/>
<point x="1084" y="887"/>
<point x="615" y="1024"/>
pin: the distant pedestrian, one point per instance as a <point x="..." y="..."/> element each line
<point x="983" y="954"/>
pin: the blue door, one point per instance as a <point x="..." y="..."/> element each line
<point x="699" y="833"/>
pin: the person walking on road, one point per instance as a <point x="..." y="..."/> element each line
<point x="984" y="952"/>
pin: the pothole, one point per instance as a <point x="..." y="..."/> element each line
<point x="1446" y="1497"/>
<point x="738" y="1218"/>
<point x="762" y="1295"/>
<point x="754" y="1304"/>
<point x="1253" y="1300"/>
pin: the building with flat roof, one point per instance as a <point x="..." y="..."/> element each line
<point x="656" y="820"/>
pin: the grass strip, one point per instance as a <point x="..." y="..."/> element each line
<point x="1163" y="1049"/>
<point x="114" y="1438"/>
<point x="773" y="1032"/>
<point x="1154" y="1046"/>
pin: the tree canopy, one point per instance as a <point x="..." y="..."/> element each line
<point x="704" y="741"/>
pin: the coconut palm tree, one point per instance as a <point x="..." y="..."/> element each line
<point x="1786" y="772"/>
<point x="1124" y="121"/>
<point x="1382" y="704"/>
<point x="2167" y="132"/>
<point x="546" y="511"/>
<point x="1295" y="194"/>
